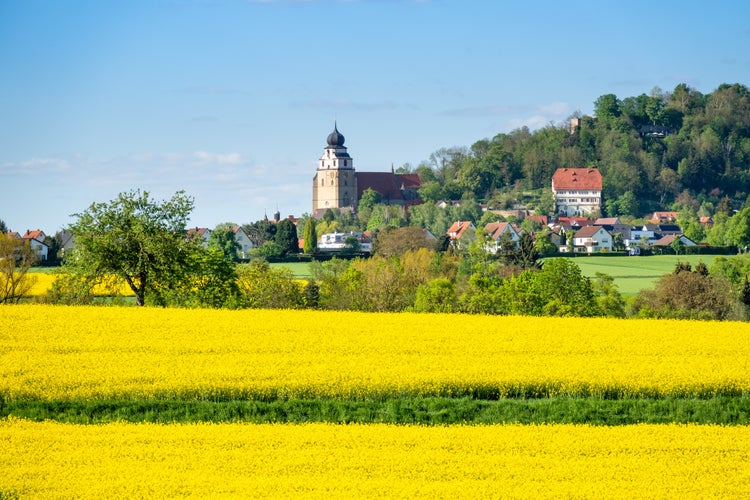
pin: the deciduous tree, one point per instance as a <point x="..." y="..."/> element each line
<point x="136" y="238"/>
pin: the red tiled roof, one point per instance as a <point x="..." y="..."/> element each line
<point x="664" y="216"/>
<point x="458" y="228"/>
<point x="34" y="235"/>
<point x="495" y="229"/>
<point x="382" y="182"/>
<point x="198" y="230"/>
<point x="577" y="179"/>
<point x="409" y="181"/>
<point x="542" y="219"/>
<point x="573" y="221"/>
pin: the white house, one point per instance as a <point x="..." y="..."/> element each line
<point x="336" y="242"/>
<point x="577" y="191"/>
<point x="36" y="241"/>
<point x="461" y="234"/>
<point x="244" y="242"/>
<point x="496" y="230"/>
<point x="592" y="239"/>
<point x="669" y="239"/>
<point x="203" y="233"/>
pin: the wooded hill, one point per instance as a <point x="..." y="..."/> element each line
<point x="680" y="150"/>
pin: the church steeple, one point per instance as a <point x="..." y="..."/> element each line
<point x="335" y="138"/>
<point x="335" y="182"/>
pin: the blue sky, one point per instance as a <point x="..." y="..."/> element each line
<point x="232" y="100"/>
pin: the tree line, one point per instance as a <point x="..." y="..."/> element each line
<point x="144" y="243"/>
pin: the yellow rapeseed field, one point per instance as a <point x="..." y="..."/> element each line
<point x="43" y="283"/>
<point x="55" y="352"/>
<point x="120" y="460"/>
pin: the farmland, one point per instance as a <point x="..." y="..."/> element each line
<point x="634" y="273"/>
<point x="340" y="404"/>
<point x="122" y="460"/>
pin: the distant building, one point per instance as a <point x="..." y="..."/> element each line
<point x="36" y="242"/>
<point x="337" y="185"/>
<point x="337" y="242"/>
<point x="577" y="191"/>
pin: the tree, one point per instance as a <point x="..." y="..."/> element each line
<point x="263" y="287"/>
<point x="286" y="238"/>
<point x="310" y="243"/>
<point x="260" y="231"/>
<point x="439" y="296"/>
<point x="16" y="258"/>
<point x="686" y="294"/>
<point x="608" y="297"/>
<point x="222" y="239"/>
<point x="397" y="241"/>
<point x="138" y="239"/>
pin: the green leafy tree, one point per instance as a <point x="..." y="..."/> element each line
<point x="397" y="241"/>
<point x="310" y="243"/>
<point x="264" y="287"/>
<point x="260" y="231"/>
<point x="135" y="238"/>
<point x="437" y="296"/>
<point x="222" y="239"/>
<point x="209" y="281"/>
<point x="608" y="297"/>
<point x="286" y="238"/>
<point x="686" y="294"/>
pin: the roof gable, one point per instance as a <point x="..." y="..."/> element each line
<point x="577" y="179"/>
<point x="589" y="231"/>
<point x="458" y="229"/>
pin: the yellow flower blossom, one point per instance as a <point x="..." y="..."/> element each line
<point x="120" y="460"/>
<point x="53" y="352"/>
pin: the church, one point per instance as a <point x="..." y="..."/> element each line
<point x="337" y="185"/>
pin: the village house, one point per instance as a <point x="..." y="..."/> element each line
<point x="577" y="191"/>
<point x="496" y="230"/>
<point x="591" y="239"/>
<point x="669" y="240"/>
<point x="461" y="234"/>
<point x="203" y="233"/>
<point x="36" y="242"/>
<point x="243" y="241"/>
<point x="338" y="242"/>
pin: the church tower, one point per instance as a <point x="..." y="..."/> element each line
<point x="335" y="182"/>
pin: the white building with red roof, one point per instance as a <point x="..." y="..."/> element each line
<point x="461" y="234"/>
<point x="36" y="241"/>
<point x="577" y="191"/>
<point x="592" y="239"/>
<point x="495" y="230"/>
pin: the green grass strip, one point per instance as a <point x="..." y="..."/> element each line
<point x="422" y="411"/>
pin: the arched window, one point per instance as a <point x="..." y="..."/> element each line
<point x="322" y="182"/>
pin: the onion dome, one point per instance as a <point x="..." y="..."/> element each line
<point x="335" y="138"/>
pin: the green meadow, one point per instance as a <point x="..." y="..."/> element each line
<point x="634" y="273"/>
<point x="631" y="273"/>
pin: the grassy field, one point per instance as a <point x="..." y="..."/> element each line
<point x="635" y="273"/>
<point x="301" y="270"/>
<point x="631" y="274"/>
